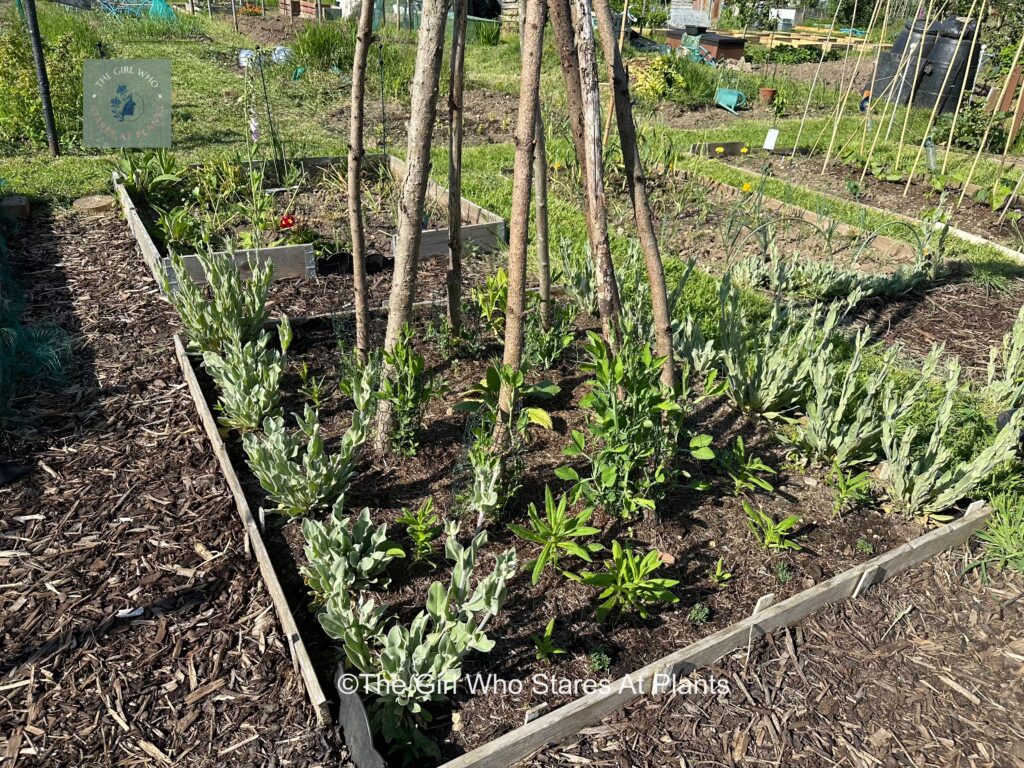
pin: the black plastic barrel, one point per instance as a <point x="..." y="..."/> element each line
<point x="948" y="54"/>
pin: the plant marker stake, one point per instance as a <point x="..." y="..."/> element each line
<point x="32" y="22"/>
<point x="935" y="108"/>
<point x="960" y="98"/>
<point x="988" y="128"/>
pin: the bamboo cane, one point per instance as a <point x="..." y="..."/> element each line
<point x="938" y="101"/>
<point x="844" y="94"/>
<point x="874" y="75"/>
<point x="988" y="128"/>
<point x="1009" y="138"/>
<point x="960" y="97"/>
<point x="814" y="82"/>
<point x="913" y="87"/>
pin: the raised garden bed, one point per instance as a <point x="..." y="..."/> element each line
<point x="318" y="209"/>
<point x="692" y="532"/>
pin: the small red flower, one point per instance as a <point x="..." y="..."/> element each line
<point x="287" y="221"/>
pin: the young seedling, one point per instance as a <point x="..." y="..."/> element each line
<point x="545" y="644"/>
<point x="772" y="535"/>
<point x="556" y="533"/>
<point x="422" y="527"/>
<point x="699" y="614"/>
<point x="313" y="388"/>
<point x="600" y="661"/>
<point x="743" y="469"/>
<point x="851" y="490"/>
<point x="865" y="547"/>
<point x="783" y="572"/>
<point x="720" y="576"/>
<point x="627" y="583"/>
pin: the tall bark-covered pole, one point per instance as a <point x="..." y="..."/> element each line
<point x="540" y="195"/>
<point x="32" y="22"/>
<point x="364" y="37"/>
<point x="456" y="89"/>
<point x="531" y="44"/>
<point x="565" y="38"/>
<point x="422" y="112"/>
<point x="637" y="185"/>
<point x="597" y="214"/>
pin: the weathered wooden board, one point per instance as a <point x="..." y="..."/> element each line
<point x="300" y="656"/>
<point x="289" y="261"/>
<point x="566" y="721"/>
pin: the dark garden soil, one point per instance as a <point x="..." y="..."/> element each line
<point x="135" y="631"/>
<point x="923" y="671"/>
<point x="694" y="530"/>
<point x="966" y="317"/>
<point x="971" y="216"/>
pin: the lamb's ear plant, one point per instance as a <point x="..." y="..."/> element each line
<point x="845" y="407"/>
<point x="406" y="668"/>
<point x="346" y="554"/>
<point x="1006" y="368"/>
<point x="772" y="534"/>
<point x="925" y="483"/>
<point x="578" y="275"/>
<point x="628" y="583"/>
<point x="409" y="390"/>
<point x="556" y="532"/>
<point x="295" y="469"/>
<point x="248" y="378"/>
<point x="768" y="371"/>
<point x="231" y="308"/>
<point x="422" y="527"/>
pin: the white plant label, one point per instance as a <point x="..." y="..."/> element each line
<point x="771" y="138"/>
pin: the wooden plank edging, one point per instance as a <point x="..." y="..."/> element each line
<point x="300" y="656"/>
<point x="566" y="721"/>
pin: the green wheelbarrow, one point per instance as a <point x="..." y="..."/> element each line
<point x="730" y="99"/>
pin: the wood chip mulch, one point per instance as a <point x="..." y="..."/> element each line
<point x="925" y="670"/>
<point x="134" y="630"/>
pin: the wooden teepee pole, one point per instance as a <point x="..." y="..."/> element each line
<point x="988" y="128"/>
<point x="913" y="88"/>
<point x="814" y="82"/>
<point x="938" y="101"/>
<point x="1009" y="139"/>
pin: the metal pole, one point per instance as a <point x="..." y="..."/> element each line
<point x="44" y="82"/>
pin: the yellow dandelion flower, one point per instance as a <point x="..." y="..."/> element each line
<point x="720" y="150"/>
<point x="744" y="150"/>
<point x="747" y="187"/>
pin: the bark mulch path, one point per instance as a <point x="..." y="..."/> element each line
<point x="924" y="671"/>
<point x="135" y="631"/>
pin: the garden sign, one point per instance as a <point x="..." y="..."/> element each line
<point x="127" y="103"/>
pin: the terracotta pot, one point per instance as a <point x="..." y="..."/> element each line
<point x="767" y="96"/>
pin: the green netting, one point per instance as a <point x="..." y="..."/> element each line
<point x="158" y="9"/>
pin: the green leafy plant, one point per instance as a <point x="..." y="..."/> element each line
<point x="545" y="346"/>
<point x="556" y="532"/>
<point x="578" y="275"/>
<point x="864" y="546"/>
<point x="229" y="308"/>
<point x="295" y="469"/>
<point x="325" y="47"/>
<point x="720" y="576"/>
<point x="852" y="489"/>
<point x="699" y="614"/>
<point x="783" y="572"/>
<point x="772" y="534"/>
<point x="408" y="390"/>
<point x="346" y="554"/>
<point x="1005" y="381"/>
<point x="491" y="298"/>
<point x="313" y="387"/>
<point x="599" y="659"/>
<point x="406" y="668"/>
<point x="1003" y="535"/>
<point x="248" y="378"/>
<point x="633" y="425"/>
<point x="743" y="469"/>
<point x="926" y="483"/>
<point x="545" y="643"/>
<point x="770" y="374"/>
<point x="628" y="583"/>
<point x="422" y="527"/>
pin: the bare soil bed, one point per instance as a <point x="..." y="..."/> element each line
<point x="973" y="217"/>
<point x="135" y="629"/>
<point x="694" y="530"/>
<point x="923" y="671"/>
